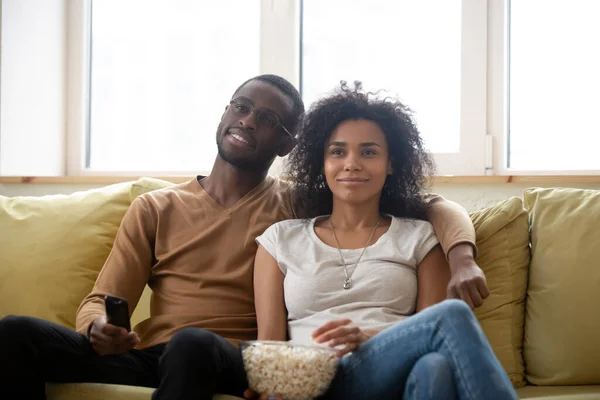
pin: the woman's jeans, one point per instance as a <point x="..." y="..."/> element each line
<point x="439" y="353"/>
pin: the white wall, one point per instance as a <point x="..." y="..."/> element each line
<point x="472" y="197"/>
<point x="478" y="196"/>
<point x="33" y="76"/>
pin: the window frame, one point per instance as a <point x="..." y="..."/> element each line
<point x="472" y="159"/>
<point x="279" y="54"/>
<point x="499" y="95"/>
<point x="484" y="89"/>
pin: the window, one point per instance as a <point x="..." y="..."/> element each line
<point x="161" y="74"/>
<point x="399" y="46"/>
<point x="140" y="85"/>
<point x="427" y="59"/>
<point x="554" y="85"/>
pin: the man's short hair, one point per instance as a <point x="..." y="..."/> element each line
<point x="290" y="91"/>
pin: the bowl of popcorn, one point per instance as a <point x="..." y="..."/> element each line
<point x="292" y="371"/>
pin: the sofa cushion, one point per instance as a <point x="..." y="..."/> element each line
<point x="99" y="391"/>
<point x="503" y="254"/>
<point x="52" y="248"/>
<point x="562" y="326"/>
<point x="584" y="392"/>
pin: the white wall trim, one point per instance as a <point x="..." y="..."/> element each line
<point x="78" y="70"/>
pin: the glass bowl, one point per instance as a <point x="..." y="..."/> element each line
<point x="289" y="370"/>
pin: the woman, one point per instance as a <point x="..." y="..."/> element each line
<point x="363" y="272"/>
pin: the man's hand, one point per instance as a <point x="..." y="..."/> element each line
<point x="250" y="394"/>
<point x="468" y="281"/>
<point x="342" y="331"/>
<point x="110" y="339"/>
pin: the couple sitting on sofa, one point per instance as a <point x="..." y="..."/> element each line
<point x="352" y="273"/>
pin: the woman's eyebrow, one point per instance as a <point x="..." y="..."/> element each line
<point x="344" y="144"/>
<point x="369" y="144"/>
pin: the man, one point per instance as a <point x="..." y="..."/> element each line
<point x="194" y="245"/>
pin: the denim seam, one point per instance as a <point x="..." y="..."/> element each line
<point x="460" y="368"/>
<point x="416" y="387"/>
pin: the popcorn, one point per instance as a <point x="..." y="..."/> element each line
<point x="292" y="372"/>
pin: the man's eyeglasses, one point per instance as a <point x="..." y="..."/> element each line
<point x="266" y="119"/>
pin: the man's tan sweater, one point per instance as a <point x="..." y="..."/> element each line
<point x="197" y="257"/>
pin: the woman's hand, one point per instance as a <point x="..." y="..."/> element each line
<point x="341" y="332"/>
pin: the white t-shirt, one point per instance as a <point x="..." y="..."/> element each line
<point x="384" y="284"/>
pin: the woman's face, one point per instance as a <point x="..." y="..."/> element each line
<point x="356" y="161"/>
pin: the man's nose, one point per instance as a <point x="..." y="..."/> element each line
<point x="248" y="122"/>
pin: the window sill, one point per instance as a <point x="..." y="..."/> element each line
<point x="438" y="180"/>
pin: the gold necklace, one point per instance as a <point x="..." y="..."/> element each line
<point x="348" y="277"/>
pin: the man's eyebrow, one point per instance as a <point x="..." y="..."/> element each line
<point x="253" y="104"/>
<point x="244" y="98"/>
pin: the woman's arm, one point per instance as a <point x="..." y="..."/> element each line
<point x="268" y="297"/>
<point x="433" y="275"/>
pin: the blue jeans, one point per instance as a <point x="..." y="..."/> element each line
<point x="439" y="353"/>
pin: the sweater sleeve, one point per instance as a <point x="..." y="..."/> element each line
<point x="127" y="268"/>
<point x="451" y="222"/>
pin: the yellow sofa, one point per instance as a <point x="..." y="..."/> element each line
<point x="541" y="257"/>
<point x="540" y="253"/>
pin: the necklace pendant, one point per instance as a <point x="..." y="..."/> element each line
<point x="348" y="284"/>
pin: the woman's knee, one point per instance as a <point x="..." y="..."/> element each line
<point x="458" y="317"/>
<point x="455" y="310"/>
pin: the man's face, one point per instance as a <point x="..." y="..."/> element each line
<point x="248" y="137"/>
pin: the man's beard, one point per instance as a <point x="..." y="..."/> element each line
<point x="250" y="164"/>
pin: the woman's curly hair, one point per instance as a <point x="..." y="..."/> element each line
<point x="402" y="194"/>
